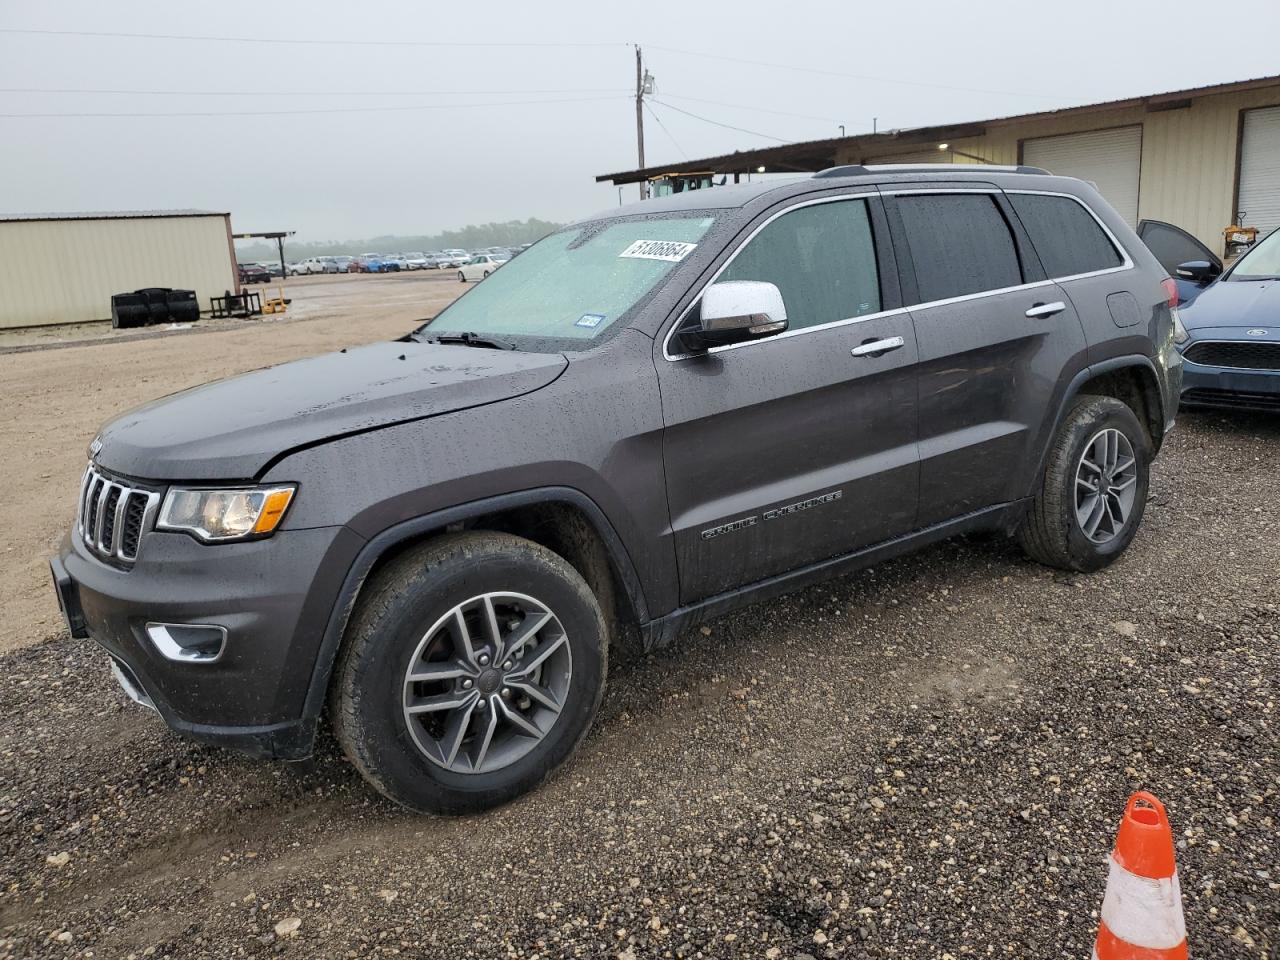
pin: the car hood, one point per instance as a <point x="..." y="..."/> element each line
<point x="1234" y="303"/>
<point x="231" y="429"/>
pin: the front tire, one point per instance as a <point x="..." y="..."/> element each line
<point x="471" y="669"/>
<point x="1093" y="493"/>
<point x="462" y="277"/>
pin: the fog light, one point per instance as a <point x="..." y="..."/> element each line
<point x="188" y="642"/>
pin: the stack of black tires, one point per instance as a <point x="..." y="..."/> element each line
<point x="154" y="305"/>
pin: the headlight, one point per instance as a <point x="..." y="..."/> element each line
<point x="217" y="516"/>
<point x="1180" y="334"/>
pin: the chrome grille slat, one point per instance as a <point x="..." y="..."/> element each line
<point x="102" y="518"/>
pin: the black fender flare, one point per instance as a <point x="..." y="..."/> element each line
<point x="376" y="547"/>
<point x="1086" y="374"/>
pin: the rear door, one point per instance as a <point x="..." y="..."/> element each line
<point x="794" y="449"/>
<point x="994" y="336"/>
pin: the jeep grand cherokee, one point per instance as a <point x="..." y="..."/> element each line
<point x="647" y="419"/>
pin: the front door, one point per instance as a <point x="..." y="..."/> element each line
<point x="801" y="447"/>
<point x="994" y="337"/>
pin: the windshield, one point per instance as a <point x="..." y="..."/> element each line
<point x="575" y="283"/>
<point x="1262" y="262"/>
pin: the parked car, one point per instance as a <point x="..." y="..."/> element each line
<point x="394" y="263"/>
<point x="273" y="267"/>
<point x="343" y="264"/>
<point x="253" y="273"/>
<point x="370" y="263"/>
<point x="479" y="267"/>
<point x="313" y="265"/>
<point x="1231" y="344"/>
<point x="992" y="350"/>
<point x="454" y="257"/>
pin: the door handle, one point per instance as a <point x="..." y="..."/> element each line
<point x="873" y="348"/>
<point x="1046" y="309"/>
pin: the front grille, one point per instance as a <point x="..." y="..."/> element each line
<point x="1235" y="353"/>
<point x="112" y="515"/>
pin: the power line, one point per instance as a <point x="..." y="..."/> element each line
<point x="280" y="113"/>
<point x="303" y="93"/>
<point x="302" y="41"/>
<point x="717" y="123"/>
<point x="653" y="113"/>
<point x="855" y="76"/>
<point x="743" y="106"/>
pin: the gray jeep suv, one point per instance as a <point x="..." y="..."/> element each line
<point x="649" y="418"/>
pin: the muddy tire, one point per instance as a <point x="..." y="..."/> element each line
<point x="471" y="669"/>
<point x="1090" y="500"/>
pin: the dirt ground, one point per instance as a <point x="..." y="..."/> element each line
<point x="926" y="760"/>
<point x="57" y="393"/>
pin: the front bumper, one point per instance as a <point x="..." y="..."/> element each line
<point x="273" y="596"/>
<point x="1230" y="388"/>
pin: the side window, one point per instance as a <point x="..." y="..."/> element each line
<point x="960" y="244"/>
<point x="1065" y="234"/>
<point x="821" y="257"/>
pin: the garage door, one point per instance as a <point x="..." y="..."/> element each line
<point x="1260" y="169"/>
<point x="1108" y="158"/>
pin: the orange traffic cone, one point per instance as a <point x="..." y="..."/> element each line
<point x="1142" y="908"/>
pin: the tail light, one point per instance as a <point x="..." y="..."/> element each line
<point x="1171" y="291"/>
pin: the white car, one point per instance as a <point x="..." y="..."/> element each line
<point x="312" y="265"/>
<point x="479" y="267"/>
<point x="416" y="261"/>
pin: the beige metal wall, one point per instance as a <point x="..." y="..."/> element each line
<point x="1189" y="155"/>
<point x="65" y="271"/>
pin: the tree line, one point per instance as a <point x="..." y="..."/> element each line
<point x="509" y="234"/>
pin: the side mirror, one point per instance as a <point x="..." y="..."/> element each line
<point x="1201" y="272"/>
<point x="736" y="311"/>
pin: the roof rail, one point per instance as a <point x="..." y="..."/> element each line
<point x="859" y="170"/>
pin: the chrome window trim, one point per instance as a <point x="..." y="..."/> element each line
<point x="1265" y="371"/>
<point x="1128" y="264"/>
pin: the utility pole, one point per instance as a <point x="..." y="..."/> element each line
<point x="640" y="78"/>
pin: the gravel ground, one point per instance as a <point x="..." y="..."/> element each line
<point x="924" y="760"/>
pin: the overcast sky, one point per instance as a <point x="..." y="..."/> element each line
<point x="371" y="170"/>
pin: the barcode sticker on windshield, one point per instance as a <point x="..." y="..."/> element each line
<point x="672" y="250"/>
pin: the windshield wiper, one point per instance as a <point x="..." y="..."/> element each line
<point x="469" y="339"/>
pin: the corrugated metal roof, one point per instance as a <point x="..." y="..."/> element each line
<point x="111" y="215"/>
<point x="816" y="154"/>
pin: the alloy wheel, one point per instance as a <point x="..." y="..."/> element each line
<point x="487" y="682"/>
<point x="1106" y="484"/>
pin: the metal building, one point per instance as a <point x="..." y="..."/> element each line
<point x="64" y="267"/>
<point x="1194" y="158"/>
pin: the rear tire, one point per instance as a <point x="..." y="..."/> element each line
<point x="462" y="277"/>
<point x="1079" y="521"/>
<point x="405" y="623"/>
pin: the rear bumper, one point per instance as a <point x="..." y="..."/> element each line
<point x="273" y="597"/>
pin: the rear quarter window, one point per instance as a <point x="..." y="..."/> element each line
<point x="1066" y="235"/>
